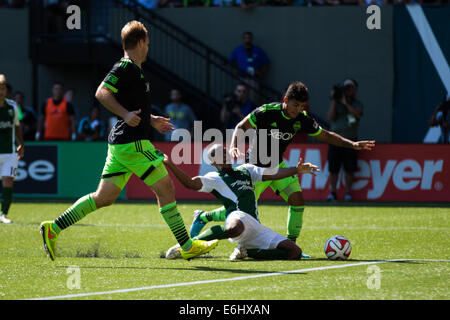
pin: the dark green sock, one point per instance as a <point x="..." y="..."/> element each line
<point x="267" y="254"/>
<point x="6" y="199"/>
<point x="295" y="222"/>
<point x="75" y="213"/>
<point x="176" y="224"/>
<point x="218" y="214"/>
<point x="215" y="232"/>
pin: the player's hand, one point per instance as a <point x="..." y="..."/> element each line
<point x="306" y="167"/>
<point x="20" y="151"/>
<point x="235" y="153"/>
<point x="166" y="159"/>
<point x="161" y="124"/>
<point x="132" y="119"/>
<point x="364" y="145"/>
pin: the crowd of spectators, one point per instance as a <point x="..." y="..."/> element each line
<point x="244" y="4"/>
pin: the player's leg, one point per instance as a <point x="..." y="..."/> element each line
<point x="114" y="178"/>
<point x="286" y="250"/>
<point x="149" y="167"/>
<point x="201" y="218"/>
<point x="7" y="191"/>
<point x="334" y="165"/>
<point x="350" y="166"/>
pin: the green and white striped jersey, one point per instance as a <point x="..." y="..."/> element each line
<point x="235" y="189"/>
<point x="9" y="119"/>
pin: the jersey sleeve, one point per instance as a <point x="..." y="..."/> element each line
<point x="311" y="126"/>
<point x="209" y="181"/>
<point x="118" y="78"/>
<point x="258" y="117"/>
<point x="256" y="173"/>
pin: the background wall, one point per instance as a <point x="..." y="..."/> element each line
<point x="319" y="46"/>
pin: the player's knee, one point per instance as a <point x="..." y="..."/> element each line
<point x="296" y="199"/>
<point x="234" y="228"/>
<point x="102" y="201"/>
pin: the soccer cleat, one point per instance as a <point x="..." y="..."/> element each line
<point x="198" y="247"/>
<point x="305" y="256"/>
<point x="348" y="197"/>
<point x="4" y="219"/>
<point x="197" y="224"/>
<point x="238" y="253"/>
<point x="49" y="236"/>
<point x="331" y="197"/>
<point x="174" y="252"/>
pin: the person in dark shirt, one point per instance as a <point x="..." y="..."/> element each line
<point x="126" y="92"/>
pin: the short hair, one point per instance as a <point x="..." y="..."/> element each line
<point x="2" y="79"/>
<point x="297" y="91"/>
<point x="132" y="33"/>
<point x="247" y="33"/>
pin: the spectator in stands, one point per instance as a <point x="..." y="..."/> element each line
<point x="249" y="62"/>
<point x="92" y="128"/>
<point x="57" y="121"/>
<point x="441" y="117"/>
<point x="236" y="106"/>
<point x="180" y="114"/>
<point x="344" y="115"/>
<point x="69" y="95"/>
<point x="29" y="117"/>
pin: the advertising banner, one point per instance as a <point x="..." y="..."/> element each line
<point x="390" y="172"/>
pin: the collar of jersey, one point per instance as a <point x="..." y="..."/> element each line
<point x="284" y="116"/>
<point x="128" y="59"/>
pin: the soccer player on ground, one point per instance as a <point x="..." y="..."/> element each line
<point x="281" y="121"/>
<point x="126" y="92"/>
<point x="235" y="188"/>
<point x="10" y="131"/>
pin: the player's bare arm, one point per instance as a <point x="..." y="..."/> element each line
<point x="282" y="173"/>
<point x="107" y="99"/>
<point x="244" y="125"/>
<point x="337" y="140"/>
<point x="190" y="183"/>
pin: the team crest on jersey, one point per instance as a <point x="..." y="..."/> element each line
<point x="297" y="125"/>
<point x="147" y="86"/>
<point x="113" y="79"/>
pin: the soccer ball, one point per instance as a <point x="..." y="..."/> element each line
<point x="338" y="248"/>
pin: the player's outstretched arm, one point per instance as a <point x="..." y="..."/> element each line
<point x="338" y="140"/>
<point x="190" y="183"/>
<point x="282" y="173"/>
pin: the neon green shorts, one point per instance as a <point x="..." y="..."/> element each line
<point x="284" y="187"/>
<point x="139" y="157"/>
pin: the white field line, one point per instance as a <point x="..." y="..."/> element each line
<point x="173" y="285"/>
<point x="278" y="227"/>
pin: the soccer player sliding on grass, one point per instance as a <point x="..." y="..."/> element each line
<point x="126" y="92"/>
<point x="234" y="187"/>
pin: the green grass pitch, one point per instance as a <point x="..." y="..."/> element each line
<point x="119" y="247"/>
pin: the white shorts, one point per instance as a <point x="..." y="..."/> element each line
<point x="255" y="235"/>
<point x="8" y="164"/>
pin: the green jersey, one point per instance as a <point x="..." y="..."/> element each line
<point x="9" y="119"/>
<point x="235" y="189"/>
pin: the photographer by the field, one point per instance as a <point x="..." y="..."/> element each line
<point x="344" y="115"/>
<point x="441" y="117"/>
<point x="236" y="106"/>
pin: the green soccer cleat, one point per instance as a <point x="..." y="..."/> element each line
<point x="199" y="247"/>
<point x="49" y="236"/>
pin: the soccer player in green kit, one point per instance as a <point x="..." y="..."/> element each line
<point x="282" y="121"/>
<point x="126" y="92"/>
<point x="10" y="154"/>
